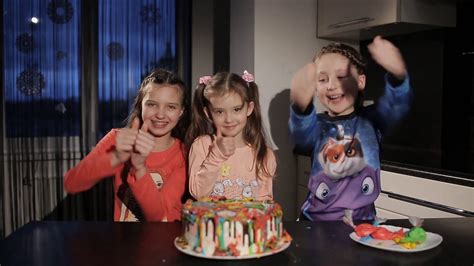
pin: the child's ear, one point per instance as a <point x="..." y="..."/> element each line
<point x="361" y="82"/>
<point x="250" y="108"/>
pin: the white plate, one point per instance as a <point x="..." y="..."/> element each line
<point x="432" y="240"/>
<point x="193" y="253"/>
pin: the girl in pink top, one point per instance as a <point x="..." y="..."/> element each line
<point x="146" y="158"/>
<point x="228" y="154"/>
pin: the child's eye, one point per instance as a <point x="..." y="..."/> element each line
<point x="150" y="104"/>
<point x="342" y="77"/>
<point x="238" y="109"/>
<point x="172" y="107"/>
<point x="218" y="112"/>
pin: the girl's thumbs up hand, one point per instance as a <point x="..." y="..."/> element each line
<point x="144" y="144"/>
<point x="225" y="144"/>
<point x="125" y="141"/>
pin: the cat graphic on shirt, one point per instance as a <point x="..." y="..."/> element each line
<point x="341" y="158"/>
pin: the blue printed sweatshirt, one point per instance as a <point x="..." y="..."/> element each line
<point x="345" y="171"/>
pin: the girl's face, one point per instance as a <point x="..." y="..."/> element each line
<point x="229" y="113"/>
<point x="338" y="83"/>
<point x="161" y="108"/>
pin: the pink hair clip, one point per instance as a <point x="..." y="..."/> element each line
<point x="205" y="80"/>
<point x="248" y="77"/>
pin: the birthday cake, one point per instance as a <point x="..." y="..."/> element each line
<point x="232" y="228"/>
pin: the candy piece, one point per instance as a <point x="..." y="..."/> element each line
<point x="363" y="230"/>
<point x="414" y="235"/>
<point x="382" y="233"/>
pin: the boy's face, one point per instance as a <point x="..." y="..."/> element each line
<point x="338" y="83"/>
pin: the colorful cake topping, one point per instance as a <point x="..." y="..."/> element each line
<point x="232" y="227"/>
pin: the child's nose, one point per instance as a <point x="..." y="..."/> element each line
<point x="333" y="84"/>
<point x="227" y="118"/>
<point x="160" y="112"/>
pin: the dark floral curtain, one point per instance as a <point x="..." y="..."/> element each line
<point x="134" y="38"/>
<point x="46" y="79"/>
<point x="41" y="75"/>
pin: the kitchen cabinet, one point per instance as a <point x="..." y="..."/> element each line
<point x="363" y="19"/>
<point x="411" y="187"/>
<point x="303" y="171"/>
<point x="434" y="192"/>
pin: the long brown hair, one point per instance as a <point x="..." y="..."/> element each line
<point x="163" y="77"/>
<point x="253" y="132"/>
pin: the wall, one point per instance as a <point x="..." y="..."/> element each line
<point x="280" y="41"/>
<point x="202" y="41"/>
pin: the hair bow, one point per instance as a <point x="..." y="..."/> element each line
<point x="205" y="80"/>
<point x="248" y="77"/>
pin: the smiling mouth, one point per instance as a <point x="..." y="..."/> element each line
<point x="159" y="124"/>
<point x="230" y="127"/>
<point x="335" y="97"/>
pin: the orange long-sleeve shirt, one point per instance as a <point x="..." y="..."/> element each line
<point x="154" y="197"/>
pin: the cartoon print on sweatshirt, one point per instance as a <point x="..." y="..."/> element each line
<point x="157" y="179"/>
<point x="225" y="170"/>
<point x="248" y="189"/>
<point x="342" y="158"/>
<point x="218" y="189"/>
<point x="343" y="169"/>
<point x="235" y="187"/>
<point x="130" y="211"/>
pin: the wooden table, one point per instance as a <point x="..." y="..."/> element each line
<point x="319" y="243"/>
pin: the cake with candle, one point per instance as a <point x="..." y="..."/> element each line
<point x="232" y="228"/>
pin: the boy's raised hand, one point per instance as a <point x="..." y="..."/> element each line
<point x="388" y="56"/>
<point x="125" y="141"/>
<point x="144" y="144"/>
<point x="225" y="144"/>
<point x="303" y="86"/>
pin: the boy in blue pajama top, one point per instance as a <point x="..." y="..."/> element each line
<point x="345" y="140"/>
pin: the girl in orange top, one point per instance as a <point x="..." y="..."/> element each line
<point x="146" y="158"/>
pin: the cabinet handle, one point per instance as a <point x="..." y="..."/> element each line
<point x="350" y="22"/>
<point x="429" y="204"/>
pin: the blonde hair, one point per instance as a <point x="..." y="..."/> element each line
<point x="347" y="51"/>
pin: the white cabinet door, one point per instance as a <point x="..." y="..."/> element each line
<point x="335" y="16"/>
<point x="361" y="19"/>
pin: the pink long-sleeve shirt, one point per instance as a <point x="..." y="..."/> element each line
<point x="211" y="173"/>
<point x="154" y="197"/>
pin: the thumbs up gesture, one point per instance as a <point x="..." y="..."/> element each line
<point x="225" y="144"/>
<point x="144" y="144"/>
<point x="125" y="141"/>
